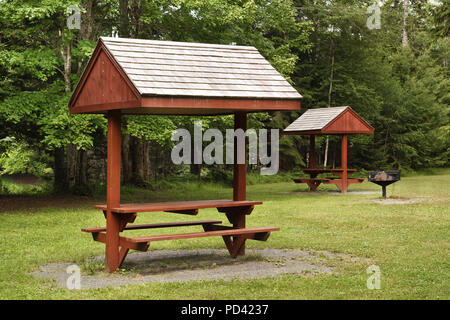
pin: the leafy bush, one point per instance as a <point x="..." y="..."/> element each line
<point x="19" y="157"/>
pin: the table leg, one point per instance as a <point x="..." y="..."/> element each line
<point x="114" y="253"/>
<point x="313" y="185"/>
<point x="236" y="216"/>
<point x="238" y="221"/>
<point x="112" y="240"/>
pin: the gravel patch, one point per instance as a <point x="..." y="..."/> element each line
<point x="349" y="192"/>
<point x="194" y="265"/>
<point x="397" y="201"/>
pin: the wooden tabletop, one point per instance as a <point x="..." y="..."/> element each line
<point x="327" y="170"/>
<point x="178" y="206"/>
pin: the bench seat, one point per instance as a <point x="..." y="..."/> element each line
<point x="225" y="232"/>
<point x="234" y="237"/>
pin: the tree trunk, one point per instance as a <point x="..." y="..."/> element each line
<point x="86" y="28"/>
<point x="136" y="161"/>
<point x="66" y="53"/>
<point x="330" y="91"/>
<point x="146" y="162"/>
<point x="137" y="154"/>
<point x="127" y="166"/>
<point x="318" y="40"/>
<point x="59" y="169"/>
<point x="194" y="169"/>
<point x="124" y="30"/>
<point x="74" y="172"/>
<point x="325" y="157"/>
<point x="82" y="168"/>
<point x="71" y="156"/>
<point x="61" y="172"/>
<point x="87" y="21"/>
<point x="405" y="41"/>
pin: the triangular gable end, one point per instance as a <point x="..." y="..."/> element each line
<point x="348" y="122"/>
<point x="103" y="86"/>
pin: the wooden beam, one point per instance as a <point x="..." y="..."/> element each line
<point x="312" y="151"/>
<point x="344" y="165"/>
<point x="122" y="254"/>
<point x="123" y="242"/>
<point x="239" y="170"/>
<point x="239" y="183"/>
<point x="113" y="223"/>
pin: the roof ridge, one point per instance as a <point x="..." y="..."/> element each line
<point x="180" y="43"/>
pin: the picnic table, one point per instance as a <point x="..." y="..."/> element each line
<point x="313" y="182"/>
<point x="234" y="236"/>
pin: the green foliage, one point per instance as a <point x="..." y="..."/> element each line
<point x="19" y="157"/>
<point x="402" y="92"/>
<point x="150" y="128"/>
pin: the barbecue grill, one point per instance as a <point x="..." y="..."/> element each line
<point x="384" y="178"/>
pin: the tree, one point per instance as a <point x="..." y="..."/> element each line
<point x="38" y="63"/>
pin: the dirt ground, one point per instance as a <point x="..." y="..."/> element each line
<point x="194" y="265"/>
<point x="36" y="202"/>
<point x="32" y="203"/>
<point x="24" y="178"/>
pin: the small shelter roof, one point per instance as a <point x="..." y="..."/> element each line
<point x="168" y="77"/>
<point x="336" y="120"/>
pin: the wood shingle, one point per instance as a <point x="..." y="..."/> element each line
<point x="182" y="70"/>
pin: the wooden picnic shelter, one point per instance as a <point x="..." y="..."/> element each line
<point x="150" y="77"/>
<point x="341" y="121"/>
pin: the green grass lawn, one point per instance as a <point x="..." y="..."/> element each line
<point x="409" y="242"/>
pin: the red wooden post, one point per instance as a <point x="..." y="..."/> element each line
<point x="113" y="190"/>
<point x="312" y="151"/>
<point x="239" y="170"/>
<point x="344" y="163"/>
<point x="239" y="179"/>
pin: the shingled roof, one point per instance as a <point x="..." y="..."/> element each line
<point x="336" y="120"/>
<point x="152" y="69"/>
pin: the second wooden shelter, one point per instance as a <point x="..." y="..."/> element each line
<point x="131" y="76"/>
<point x="341" y="121"/>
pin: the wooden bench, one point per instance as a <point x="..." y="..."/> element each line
<point x="156" y="225"/>
<point x="234" y="236"/>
